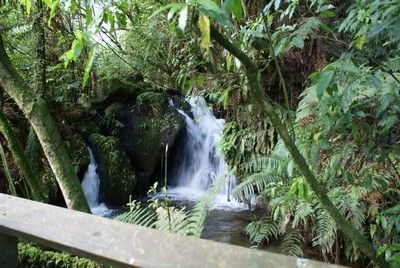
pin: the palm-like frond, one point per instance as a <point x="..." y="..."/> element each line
<point x="139" y="215"/>
<point x="258" y="181"/>
<point x="292" y="243"/>
<point x="198" y="214"/>
<point x="261" y="230"/>
<point x="326" y="230"/>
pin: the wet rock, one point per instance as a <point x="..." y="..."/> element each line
<point x="148" y="128"/>
<point x="117" y="179"/>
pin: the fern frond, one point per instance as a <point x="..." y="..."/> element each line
<point x="303" y="210"/>
<point x="261" y="230"/>
<point x="139" y="215"/>
<point x="197" y="216"/>
<point x="326" y="231"/>
<point x="258" y="181"/>
<point x="174" y="220"/>
<point x="291" y="244"/>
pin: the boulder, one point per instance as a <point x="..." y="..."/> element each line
<point x="148" y="128"/>
<point x="117" y="180"/>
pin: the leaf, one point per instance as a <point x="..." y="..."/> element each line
<point x="204" y="26"/>
<point x="323" y="82"/>
<point x="28" y="6"/>
<point x="88" y="66"/>
<point x="211" y="9"/>
<point x="328" y="14"/>
<point x="234" y="6"/>
<point x="277" y="3"/>
<point x="183" y="15"/>
<point x="89" y="14"/>
<point x="54" y="6"/>
<point x="359" y="43"/>
<point x="175" y="6"/>
<point x="298" y="42"/>
<point x="393" y="210"/>
<point x="372" y="229"/>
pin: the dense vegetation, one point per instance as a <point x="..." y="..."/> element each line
<point x="309" y="89"/>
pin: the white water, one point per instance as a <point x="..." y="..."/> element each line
<point x="91" y="186"/>
<point x="199" y="163"/>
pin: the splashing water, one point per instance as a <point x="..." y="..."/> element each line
<point x="199" y="163"/>
<point x="91" y="186"/>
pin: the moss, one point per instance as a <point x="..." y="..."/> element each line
<point x="117" y="179"/>
<point x="152" y="103"/>
<point x="33" y="256"/>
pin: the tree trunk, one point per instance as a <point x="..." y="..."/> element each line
<point x="38" y="114"/>
<point x="40" y="50"/>
<point x="36" y="187"/>
<point x="261" y="100"/>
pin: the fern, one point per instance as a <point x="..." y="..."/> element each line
<point x="198" y="214"/>
<point x="139" y="215"/>
<point x="303" y="210"/>
<point x="173" y="219"/>
<point x="261" y="230"/>
<point x="292" y="243"/>
<point x="326" y="231"/>
<point x="260" y="181"/>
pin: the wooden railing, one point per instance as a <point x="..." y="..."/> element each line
<point x="120" y="244"/>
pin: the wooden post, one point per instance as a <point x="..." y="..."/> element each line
<point x="8" y="251"/>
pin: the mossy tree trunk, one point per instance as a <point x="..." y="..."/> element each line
<point x="261" y="100"/>
<point x="36" y="187"/>
<point x="36" y="111"/>
<point x="40" y="50"/>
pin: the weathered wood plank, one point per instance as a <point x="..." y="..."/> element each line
<point x="8" y="251"/>
<point x="127" y="245"/>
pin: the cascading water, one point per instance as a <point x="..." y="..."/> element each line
<point x="91" y="186"/>
<point x="198" y="163"/>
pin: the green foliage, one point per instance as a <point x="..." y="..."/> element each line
<point x="32" y="256"/>
<point x="349" y="143"/>
<point x="165" y="217"/>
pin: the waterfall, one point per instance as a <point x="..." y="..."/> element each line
<point x="199" y="163"/>
<point x="91" y="188"/>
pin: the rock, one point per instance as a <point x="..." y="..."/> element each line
<point x="117" y="180"/>
<point x="149" y="126"/>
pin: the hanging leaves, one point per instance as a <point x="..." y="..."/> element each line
<point x="88" y="67"/>
<point x="204" y="26"/>
<point x="82" y="37"/>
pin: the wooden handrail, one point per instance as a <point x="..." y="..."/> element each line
<point x="120" y="244"/>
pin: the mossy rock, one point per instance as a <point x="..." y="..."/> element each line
<point x="117" y="179"/>
<point x="152" y="103"/>
<point x="115" y="109"/>
<point x="149" y="127"/>
<point x="33" y="256"/>
<point x="172" y="126"/>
